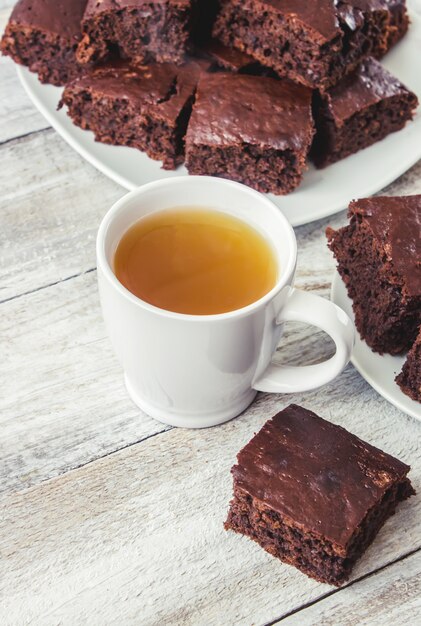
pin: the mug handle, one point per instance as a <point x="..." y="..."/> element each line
<point x="304" y="307"/>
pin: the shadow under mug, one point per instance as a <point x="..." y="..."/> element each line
<point x="196" y="371"/>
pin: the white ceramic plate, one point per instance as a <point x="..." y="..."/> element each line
<point x="322" y="193"/>
<point x="378" y="370"/>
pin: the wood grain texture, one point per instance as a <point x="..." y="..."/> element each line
<point x="391" y="596"/>
<point x="49" y="219"/>
<point x="17" y="113"/>
<point x="63" y="401"/>
<point x="137" y="537"/>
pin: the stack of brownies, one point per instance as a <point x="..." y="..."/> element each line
<point x="244" y="89"/>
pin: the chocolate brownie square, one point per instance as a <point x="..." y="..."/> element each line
<point x="409" y="380"/>
<point x="314" y="495"/>
<point x="363" y="108"/>
<point x="145" y="107"/>
<point x="44" y="35"/>
<point x="379" y="260"/>
<point x="314" y="43"/>
<point x="252" y="129"/>
<point x="141" y="30"/>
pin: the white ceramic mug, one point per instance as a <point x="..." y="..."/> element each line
<point x="201" y="370"/>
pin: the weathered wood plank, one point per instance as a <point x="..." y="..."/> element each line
<point x="51" y="206"/>
<point x="62" y="401"/>
<point x="137" y="537"/>
<point x="391" y="596"/>
<point x="17" y="113"/>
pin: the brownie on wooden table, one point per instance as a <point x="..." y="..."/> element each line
<point x="409" y="380"/>
<point x="145" y="107"/>
<point x="314" y="495"/>
<point x="363" y="108"/>
<point x="141" y="30"/>
<point x="315" y="42"/>
<point x="379" y="260"/>
<point x="44" y="35"/>
<point x="252" y="129"/>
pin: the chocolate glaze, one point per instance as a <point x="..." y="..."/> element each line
<point x="61" y="17"/>
<point x="163" y="87"/>
<point x="368" y="85"/>
<point x="323" y="17"/>
<point x="396" y="224"/>
<point x="94" y="7"/>
<point x="317" y="475"/>
<point x="232" y="109"/>
<point x="317" y="15"/>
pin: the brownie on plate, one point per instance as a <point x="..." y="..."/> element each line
<point x="141" y="30"/>
<point x="361" y="109"/>
<point x="146" y="107"/>
<point x="409" y="380"/>
<point x="379" y="260"/>
<point x="314" y="43"/>
<point x="314" y="495"/>
<point x="252" y="129"/>
<point x="43" y="35"/>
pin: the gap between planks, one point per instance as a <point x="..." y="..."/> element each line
<point x="334" y="592"/>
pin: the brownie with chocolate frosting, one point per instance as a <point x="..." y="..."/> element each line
<point x="363" y="108"/>
<point x="145" y="107"/>
<point x="379" y="260"/>
<point x="252" y="129"/>
<point x="315" y="43"/>
<point x="141" y="30"/>
<point x="314" y="495"/>
<point x="44" y="35"/>
<point x="409" y="380"/>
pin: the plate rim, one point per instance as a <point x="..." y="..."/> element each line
<point x="401" y="401"/>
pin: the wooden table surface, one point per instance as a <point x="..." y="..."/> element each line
<point x="107" y="516"/>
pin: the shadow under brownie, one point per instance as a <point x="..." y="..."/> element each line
<point x="363" y="108"/>
<point x="314" y="495"/>
<point x="145" y="107"/>
<point x="379" y="260"/>
<point x="252" y="129"/>
<point x="44" y="35"/>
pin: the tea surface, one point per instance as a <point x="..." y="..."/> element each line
<point x="195" y="261"/>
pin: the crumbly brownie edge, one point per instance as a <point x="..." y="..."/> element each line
<point x="409" y="379"/>
<point x="317" y="558"/>
<point x="117" y="122"/>
<point x="384" y="317"/>
<point x="264" y="169"/>
<point x="161" y="37"/>
<point x="332" y="143"/>
<point x="399" y="25"/>
<point x="52" y="57"/>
